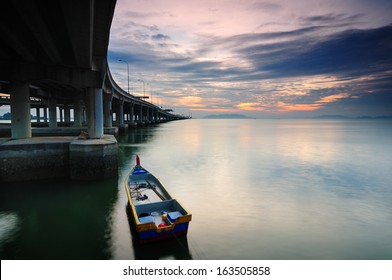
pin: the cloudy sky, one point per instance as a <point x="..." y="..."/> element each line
<point x="258" y="58"/>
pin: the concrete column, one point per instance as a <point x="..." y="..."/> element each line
<point x="148" y="116"/>
<point x="84" y="115"/>
<point x="77" y="113"/>
<point x="95" y="112"/>
<point x="52" y="112"/>
<point x="61" y="114"/>
<point x="38" y="113"/>
<point x="121" y="113"/>
<point x="108" y="113"/>
<point x="131" y="114"/>
<point x="140" y="121"/>
<point x="45" y="114"/>
<point x="20" y="110"/>
<point x="67" y="114"/>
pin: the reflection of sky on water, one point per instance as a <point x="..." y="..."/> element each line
<point x="280" y="188"/>
<point x="9" y="223"/>
<point x="257" y="189"/>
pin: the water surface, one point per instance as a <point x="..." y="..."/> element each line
<point x="257" y="189"/>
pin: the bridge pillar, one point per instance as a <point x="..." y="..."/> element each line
<point x="45" y="114"/>
<point x="84" y="115"/>
<point x="38" y="113"/>
<point x="77" y="113"/>
<point x="147" y="115"/>
<point x="140" y="120"/>
<point x="52" y="111"/>
<point x="108" y="113"/>
<point x="61" y="114"/>
<point x="132" y="115"/>
<point x="67" y="114"/>
<point x="20" y="110"/>
<point x="121" y="113"/>
<point x="95" y="112"/>
<point x="121" y="124"/>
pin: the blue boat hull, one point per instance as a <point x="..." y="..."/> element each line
<point x="152" y="235"/>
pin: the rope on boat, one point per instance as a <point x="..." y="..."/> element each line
<point x="155" y="190"/>
<point x="136" y="192"/>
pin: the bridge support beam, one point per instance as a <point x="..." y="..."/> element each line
<point x="52" y="112"/>
<point x="77" y="113"/>
<point x="108" y="122"/>
<point x="121" y="124"/>
<point x="148" y="120"/>
<point x="61" y="114"/>
<point x="38" y="113"/>
<point x="67" y="114"/>
<point x="95" y="112"/>
<point x="45" y="114"/>
<point x="132" y="115"/>
<point x="121" y="113"/>
<point x="20" y="111"/>
<point x="140" y="120"/>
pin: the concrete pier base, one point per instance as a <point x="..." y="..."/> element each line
<point x="93" y="159"/>
<point x="20" y="111"/>
<point x="132" y="124"/>
<point x="58" y="157"/>
<point x="123" y="127"/>
<point x="34" y="158"/>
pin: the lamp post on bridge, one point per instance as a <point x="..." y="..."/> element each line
<point x="127" y="70"/>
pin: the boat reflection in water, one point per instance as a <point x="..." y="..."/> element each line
<point x="174" y="248"/>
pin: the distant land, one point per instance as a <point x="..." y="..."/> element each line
<point x="331" y="117"/>
<point x="377" y="117"/>
<point x="240" y="116"/>
<point x="346" y="117"/>
<point x="227" y="116"/>
<point x="7" y="117"/>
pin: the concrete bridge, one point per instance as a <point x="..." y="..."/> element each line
<point x="53" y="56"/>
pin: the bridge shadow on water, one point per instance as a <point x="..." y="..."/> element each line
<point x="174" y="248"/>
<point x="56" y="219"/>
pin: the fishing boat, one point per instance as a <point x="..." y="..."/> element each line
<point x="155" y="213"/>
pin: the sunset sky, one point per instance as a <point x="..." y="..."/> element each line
<point x="258" y="58"/>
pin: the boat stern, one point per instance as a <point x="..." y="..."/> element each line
<point x="160" y="220"/>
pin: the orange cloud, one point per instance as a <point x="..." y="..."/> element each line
<point x="333" y="97"/>
<point x="191" y="102"/>
<point x="284" y="107"/>
<point x="249" y="106"/>
<point x="197" y="103"/>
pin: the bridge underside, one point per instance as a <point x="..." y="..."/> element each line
<point x="53" y="57"/>
<point x="59" y="44"/>
<point x="54" y="50"/>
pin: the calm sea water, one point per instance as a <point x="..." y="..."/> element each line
<point x="257" y="189"/>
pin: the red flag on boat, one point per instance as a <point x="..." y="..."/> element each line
<point x="137" y="160"/>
